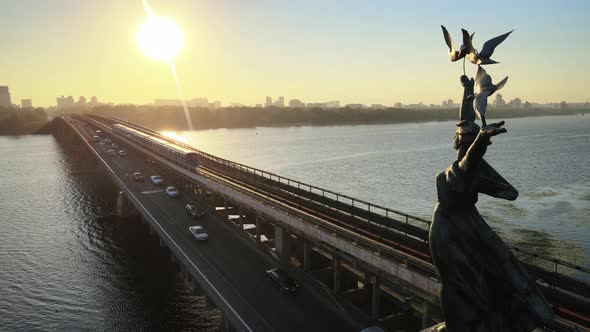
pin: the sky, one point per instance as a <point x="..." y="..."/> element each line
<point x="371" y="51"/>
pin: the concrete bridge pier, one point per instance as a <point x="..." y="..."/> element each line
<point x="124" y="208"/>
<point x="375" y="294"/>
<point x="282" y="245"/>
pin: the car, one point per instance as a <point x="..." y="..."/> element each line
<point x="95" y="139"/>
<point x="98" y="132"/>
<point x="107" y="140"/>
<point x="114" y="145"/>
<point x="157" y="180"/>
<point x="138" y="177"/>
<point x="282" y="279"/>
<point x="171" y="191"/>
<point x="199" y="232"/>
<point x="111" y="153"/>
<point x="122" y="153"/>
<point x="194" y="211"/>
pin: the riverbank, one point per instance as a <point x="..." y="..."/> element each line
<point x="173" y="118"/>
<point x="21" y="121"/>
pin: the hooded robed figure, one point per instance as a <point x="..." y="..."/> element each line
<point x="483" y="285"/>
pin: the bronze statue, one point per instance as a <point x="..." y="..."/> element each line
<point x="483" y="285"/>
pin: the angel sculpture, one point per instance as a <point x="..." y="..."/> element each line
<point x="483" y="285"/>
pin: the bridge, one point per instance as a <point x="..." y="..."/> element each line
<point x="361" y="266"/>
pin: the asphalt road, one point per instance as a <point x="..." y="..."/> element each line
<point x="232" y="265"/>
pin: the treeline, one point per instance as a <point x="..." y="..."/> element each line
<point x="15" y="121"/>
<point x="173" y="118"/>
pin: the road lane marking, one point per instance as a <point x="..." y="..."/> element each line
<point x="152" y="191"/>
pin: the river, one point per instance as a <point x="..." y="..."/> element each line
<point x="67" y="262"/>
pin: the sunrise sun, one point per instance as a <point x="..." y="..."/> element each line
<point x="160" y="38"/>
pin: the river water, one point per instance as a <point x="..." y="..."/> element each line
<point x="66" y="262"/>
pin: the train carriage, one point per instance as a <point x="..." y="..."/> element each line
<point x="165" y="148"/>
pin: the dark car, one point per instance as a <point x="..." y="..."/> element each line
<point x="194" y="211"/>
<point x="280" y="277"/>
<point x="137" y="176"/>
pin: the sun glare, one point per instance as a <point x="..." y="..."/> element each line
<point x="174" y="135"/>
<point x="160" y="38"/>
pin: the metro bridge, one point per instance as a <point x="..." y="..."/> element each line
<point x="361" y="265"/>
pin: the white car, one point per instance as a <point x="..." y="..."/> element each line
<point x="172" y="191"/>
<point x="199" y="232"/>
<point x="122" y="153"/>
<point x="111" y="153"/>
<point x="107" y="140"/>
<point x="96" y="139"/>
<point x="157" y="180"/>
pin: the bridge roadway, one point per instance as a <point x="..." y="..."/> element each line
<point x="232" y="266"/>
<point x="560" y="280"/>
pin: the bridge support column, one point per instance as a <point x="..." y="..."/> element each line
<point x="258" y="223"/>
<point x="240" y="217"/>
<point x="426" y="315"/>
<point x="375" y="293"/>
<point x="337" y="268"/>
<point x="282" y="244"/>
<point x="307" y="247"/>
<point x="122" y="205"/>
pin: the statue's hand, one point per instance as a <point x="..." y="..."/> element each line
<point x="492" y="129"/>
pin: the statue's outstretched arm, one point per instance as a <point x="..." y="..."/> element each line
<point x="479" y="147"/>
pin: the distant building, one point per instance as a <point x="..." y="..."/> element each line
<point x="215" y="105"/>
<point x="515" y="103"/>
<point x="328" y="104"/>
<point x="81" y="101"/>
<point x="26" y="103"/>
<point x="5" y="97"/>
<point x="448" y="103"/>
<point x="398" y="105"/>
<point x="198" y="102"/>
<point x="499" y="101"/>
<point x="93" y="101"/>
<point x="65" y="102"/>
<point x="355" y="106"/>
<point x="259" y="105"/>
<point x="377" y="107"/>
<point x="416" y="106"/>
<point x="268" y="102"/>
<point x="280" y="102"/>
<point x="296" y="103"/>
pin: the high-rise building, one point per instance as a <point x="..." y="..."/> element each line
<point x="65" y="102"/>
<point x="268" y="102"/>
<point x="5" y="97"/>
<point x="26" y="103"/>
<point x="81" y="101"/>
<point x="93" y="101"/>
<point x="499" y="101"/>
<point x="280" y="102"/>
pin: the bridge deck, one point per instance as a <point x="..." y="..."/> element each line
<point x="233" y="267"/>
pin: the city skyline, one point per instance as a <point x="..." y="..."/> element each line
<point x="379" y="52"/>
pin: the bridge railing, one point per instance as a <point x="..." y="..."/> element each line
<point x="546" y="262"/>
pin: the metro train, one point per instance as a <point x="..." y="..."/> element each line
<point x="166" y="149"/>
